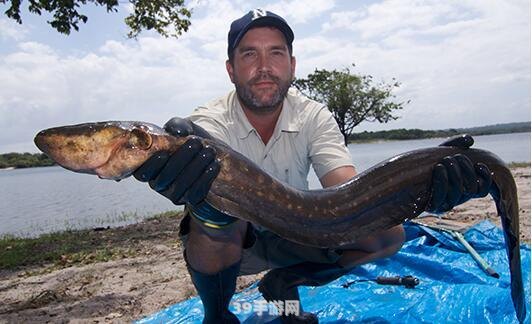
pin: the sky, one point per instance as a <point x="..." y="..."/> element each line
<point x="461" y="63"/>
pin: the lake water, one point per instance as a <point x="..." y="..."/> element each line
<point x="41" y="200"/>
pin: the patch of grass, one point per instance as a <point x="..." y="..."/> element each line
<point x="46" y="248"/>
<point x="71" y="247"/>
<point x="170" y="213"/>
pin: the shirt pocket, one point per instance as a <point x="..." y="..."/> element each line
<point x="281" y="167"/>
<point x="291" y="168"/>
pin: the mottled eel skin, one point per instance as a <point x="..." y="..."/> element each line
<point x="384" y="196"/>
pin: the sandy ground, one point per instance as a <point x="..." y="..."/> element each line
<point x="130" y="288"/>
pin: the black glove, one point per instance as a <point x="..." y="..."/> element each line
<point x="186" y="175"/>
<point x="456" y="180"/>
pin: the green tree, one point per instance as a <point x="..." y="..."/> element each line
<point x="24" y="160"/>
<point x="351" y="98"/>
<point x="166" y="17"/>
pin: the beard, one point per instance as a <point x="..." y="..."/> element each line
<point x="262" y="106"/>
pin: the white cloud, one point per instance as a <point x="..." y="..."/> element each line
<point x="11" y="30"/>
<point x="211" y="19"/>
<point x="298" y="12"/>
<point x="393" y="16"/>
<point x="459" y="62"/>
<point x="464" y="62"/>
<point x="151" y="80"/>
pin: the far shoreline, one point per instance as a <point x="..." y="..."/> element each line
<point x="377" y="140"/>
<point x="17" y="160"/>
<point x="384" y="139"/>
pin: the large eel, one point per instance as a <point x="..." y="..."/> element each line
<point x="383" y="196"/>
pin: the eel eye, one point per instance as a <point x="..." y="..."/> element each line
<point x="140" y="139"/>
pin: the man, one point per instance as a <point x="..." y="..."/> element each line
<point x="283" y="132"/>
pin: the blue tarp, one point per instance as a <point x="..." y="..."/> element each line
<point x="452" y="287"/>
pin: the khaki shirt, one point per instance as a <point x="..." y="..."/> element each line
<point x="306" y="133"/>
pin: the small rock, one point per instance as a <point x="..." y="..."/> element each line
<point x="114" y="315"/>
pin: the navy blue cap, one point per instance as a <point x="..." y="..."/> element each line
<point x="257" y="18"/>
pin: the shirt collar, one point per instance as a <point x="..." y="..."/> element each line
<point x="289" y="120"/>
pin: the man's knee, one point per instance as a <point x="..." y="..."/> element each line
<point x="392" y="238"/>
<point x="211" y="250"/>
<point x="231" y="234"/>
<point x="381" y="245"/>
<point x="390" y="241"/>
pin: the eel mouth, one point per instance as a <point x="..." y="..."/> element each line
<point x="42" y="142"/>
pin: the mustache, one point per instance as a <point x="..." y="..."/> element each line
<point x="264" y="77"/>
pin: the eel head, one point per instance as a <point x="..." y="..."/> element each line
<point x="111" y="150"/>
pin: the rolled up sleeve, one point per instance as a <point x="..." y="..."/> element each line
<point x="327" y="149"/>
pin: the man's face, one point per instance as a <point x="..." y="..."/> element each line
<point x="262" y="69"/>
